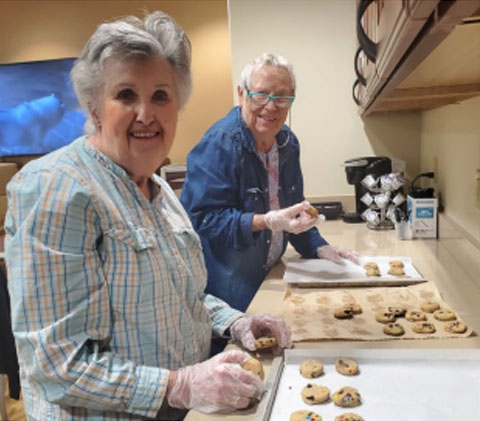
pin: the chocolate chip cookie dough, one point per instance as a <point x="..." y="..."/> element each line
<point x="265" y="342"/>
<point x="444" y="315"/>
<point x="311" y="369"/>
<point x="303" y="415"/>
<point x="423" y="327"/>
<point x="455" y="327"/>
<point x="314" y="393"/>
<point x="393" y="329"/>
<point x="347" y="367"/>
<point x="371" y="269"/>
<point x="255" y="366"/>
<point x="347" y="397"/>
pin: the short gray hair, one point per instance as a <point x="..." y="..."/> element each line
<point x="266" y="59"/>
<point x="158" y="35"/>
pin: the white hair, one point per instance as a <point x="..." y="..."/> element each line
<point x="158" y="35"/>
<point x="266" y="59"/>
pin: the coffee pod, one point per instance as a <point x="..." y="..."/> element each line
<point x="382" y="200"/>
<point x="367" y="199"/>
<point x="391" y="182"/>
<point x="398" y="199"/>
<point x="369" y="181"/>
<point x="390" y="213"/>
<point x="386" y="182"/>
<point x="371" y="216"/>
<point x="397" y="181"/>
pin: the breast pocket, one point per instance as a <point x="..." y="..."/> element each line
<point x="289" y="195"/>
<point x="128" y="254"/>
<point x="254" y="200"/>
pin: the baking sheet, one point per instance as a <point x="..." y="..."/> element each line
<point x="395" y="384"/>
<point x="324" y="273"/>
<point x="309" y="312"/>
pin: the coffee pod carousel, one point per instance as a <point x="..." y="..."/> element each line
<point x="384" y="195"/>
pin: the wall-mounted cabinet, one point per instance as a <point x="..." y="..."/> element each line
<point x="416" y="54"/>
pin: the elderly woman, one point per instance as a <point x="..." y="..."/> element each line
<point x="244" y="187"/>
<point x="106" y="273"/>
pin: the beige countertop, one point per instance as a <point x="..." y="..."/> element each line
<point x="451" y="262"/>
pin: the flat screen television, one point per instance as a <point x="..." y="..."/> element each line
<point x="39" y="111"/>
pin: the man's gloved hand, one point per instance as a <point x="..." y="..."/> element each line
<point x="247" y="328"/>
<point x="218" y="384"/>
<point x="335" y="254"/>
<point x="293" y="219"/>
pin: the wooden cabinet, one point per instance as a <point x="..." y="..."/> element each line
<point x="404" y="34"/>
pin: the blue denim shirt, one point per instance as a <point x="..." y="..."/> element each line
<point x="226" y="184"/>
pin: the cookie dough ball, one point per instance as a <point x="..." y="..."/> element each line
<point x="415" y="316"/>
<point x="398" y="264"/>
<point x="255" y="367"/>
<point x="398" y="311"/>
<point x="347" y="397"/>
<point x="429" y="306"/>
<point x="303" y="415"/>
<point x="396" y="268"/>
<point x="312" y="211"/>
<point x="347" y="367"/>
<point x="423" y="327"/>
<point x="385" y="316"/>
<point x="311" y="369"/>
<point x="444" y="315"/>
<point x="344" y="312"/>
<point x="455" y="327"/>
<point x="371" y="269"/>
<point x="265" y="342"/>
<point x="394" y="329"/>
<point x="314" y="393"/>
<point x="349" y="416"/>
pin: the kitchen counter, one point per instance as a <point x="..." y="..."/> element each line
<point x="451" y="262"/>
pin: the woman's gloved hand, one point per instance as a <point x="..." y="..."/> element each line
<point x="293" y="219"/>
<point x="218" y="384"/>
<point x="335" y="254"/>
<point x="246" y="329"/>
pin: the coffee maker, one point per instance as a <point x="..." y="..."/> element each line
<point x="357" y="169"/>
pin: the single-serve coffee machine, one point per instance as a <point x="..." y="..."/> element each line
<point x="357" y="170"/>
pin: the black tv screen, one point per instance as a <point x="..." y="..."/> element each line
<point x="39" y="111"/>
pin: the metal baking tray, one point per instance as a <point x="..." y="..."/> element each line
<point x="324" y="273"/>
<point x="395" y="384"/>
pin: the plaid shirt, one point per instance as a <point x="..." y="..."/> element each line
<point x="107" y="288"/>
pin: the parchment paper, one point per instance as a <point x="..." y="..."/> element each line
<point x="309" y="313"/>
<point x="395" y="385"/>
<point x="324" y="273"/>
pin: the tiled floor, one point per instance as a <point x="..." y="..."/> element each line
<point x="15" y="410"/>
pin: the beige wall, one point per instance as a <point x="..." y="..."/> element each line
<point x="37" y="30"/>
<point x="318" y="37"/>
<point x="451" y="136"/>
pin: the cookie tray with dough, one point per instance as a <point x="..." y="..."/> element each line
<point x="323" y="273"/>
<point x="439" y="384"/>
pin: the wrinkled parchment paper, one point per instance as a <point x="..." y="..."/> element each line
<point x="309" y="312"/>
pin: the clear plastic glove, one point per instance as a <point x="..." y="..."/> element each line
<point x="247" y="328"/>
<point x="293" y="219"/>
<point x="335" y="254"/>
<point x="219" y="384"/>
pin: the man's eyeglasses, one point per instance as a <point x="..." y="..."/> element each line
<point x="281" y="101"/>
